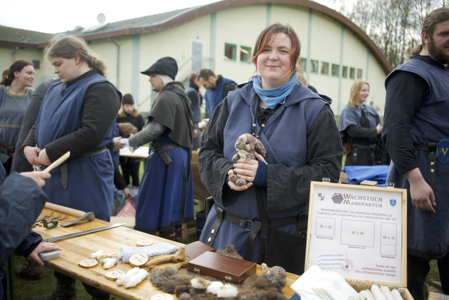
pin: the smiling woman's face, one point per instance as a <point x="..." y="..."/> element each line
<point x="274" y="62"/>
<point x="25" y="76"/>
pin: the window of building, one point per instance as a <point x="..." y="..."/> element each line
<point x="245" y="54"/>
<point x="324" y="68"/>
<point x="335" y="71"/>
<point x="36" y="64"/>
<point x="359" y="73"/>
<point x="230" y="52"/>
<point x="352" y="73"/>
<point x="345" y="72"/>
<point x="314" y="66"/>
<point x="304" y="63"/>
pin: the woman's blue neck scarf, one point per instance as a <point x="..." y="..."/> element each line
<point x="275" y="96"/>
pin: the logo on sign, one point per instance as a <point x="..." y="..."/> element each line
<point x="392" y="202"/>
<point x="321" y="196"/>
<point x="337" y="198"/>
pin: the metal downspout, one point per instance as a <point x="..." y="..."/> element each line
<point x="118" y="62"/>
<point x="14" y="54"/>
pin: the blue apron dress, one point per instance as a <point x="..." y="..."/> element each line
<point x="213" y="98"/>
<point x="292" y="120"/>
<point x="428" y="233"/>
<point x="90" y="179"/>
<point x="165" y="196"/>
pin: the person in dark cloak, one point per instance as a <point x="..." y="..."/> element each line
<point x="416" y="134"/>
<point x="360" y="129"/>
<point x="266" y="219"/>
<point x="21" y="198"/>
<point x="165" y="199"/>
<point x="77" y="115"/>
<point x="195" y="97"/>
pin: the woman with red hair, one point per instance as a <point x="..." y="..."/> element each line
<point x="298" y="130"/>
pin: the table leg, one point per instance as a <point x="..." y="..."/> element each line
<point x="12" y="291"/>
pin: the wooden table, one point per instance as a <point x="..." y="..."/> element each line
<point x="79" y="248"/>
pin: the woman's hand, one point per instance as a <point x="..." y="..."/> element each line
<point x="32" y="155"/>
<point x="237" y="188"/>
<point x="245" y="169"/>
<point x="42" y="247"/>
<point x="43" y="158"/>
<point x="379" y="128"/>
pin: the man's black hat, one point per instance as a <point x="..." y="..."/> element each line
<point x="164" y="66"/>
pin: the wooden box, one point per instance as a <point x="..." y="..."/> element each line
<point x="195" y="249"/>
<point x="338" y="218"/>
<point x="222" y="267"/>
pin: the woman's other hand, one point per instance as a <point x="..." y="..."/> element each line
<point x="32" y="155"/>
<point x="43" y="158"/>
<point x="379" y="128"/>
<point x="39" y="177"/>
<point x="246" y="169"/>
<point x="42" y="247"/>
<point x="237" y="188"/>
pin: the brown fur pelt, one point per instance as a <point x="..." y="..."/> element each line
<point x="246" y="145"/>
<point x="229" y="251"/>
<point x="266" y="287"/>
<point x="125" y="129"/>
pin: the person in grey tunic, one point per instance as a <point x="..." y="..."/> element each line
<point x="15" y="94"/>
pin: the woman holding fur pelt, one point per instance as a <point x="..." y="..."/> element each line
<point x="266" y="219"/>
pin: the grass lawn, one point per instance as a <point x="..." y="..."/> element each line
<point x="25" y="289"/>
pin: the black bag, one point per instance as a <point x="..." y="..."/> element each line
<point x="286" y="250"/>
<point x="279" y="248"/>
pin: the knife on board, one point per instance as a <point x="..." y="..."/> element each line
<point x="68" y="236"/>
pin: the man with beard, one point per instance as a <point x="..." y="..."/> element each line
<point x="217" y="88"/>
<point x="416" y="134"/>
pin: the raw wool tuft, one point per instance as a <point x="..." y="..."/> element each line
<point x="108" y="263"/>
<point x="99" y="255"/>
<point x="229" y="251"/>
<point x="200" y="283"/>
<point x="123" y="279"/>
<point x="228" y="290"/>
<point x="136" y="279"/>
<point x="214" y="287"/>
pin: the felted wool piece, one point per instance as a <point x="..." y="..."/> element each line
<point x="176" y="258"/>
<point x="124" y="253"/>
<point x="246" y="145"/>
<point x="168" y="279"/>
<point x="200" y="283"/>
<point x="175" y="266"/>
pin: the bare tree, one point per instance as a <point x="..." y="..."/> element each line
<point x="393" y="25"/>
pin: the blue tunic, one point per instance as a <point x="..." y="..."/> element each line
<point x="12" y="109"/>
<point x="90" y="179"/>
<point x="428" y="233"/>
<point x="165" y="196"/>
<point x="286" y="142"/>
<point x="351" y="116"/>
<point x="213" y="98"/>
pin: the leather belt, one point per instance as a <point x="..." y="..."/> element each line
<point x="64" y="169"/>
<point x="431" y="149"/>
<point x="253" y="226"/>
<point x="161" y="149"/>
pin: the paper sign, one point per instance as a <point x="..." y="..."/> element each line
<point x="362" y="229"/>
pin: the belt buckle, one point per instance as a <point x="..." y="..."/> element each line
<point x="245" y="223"/>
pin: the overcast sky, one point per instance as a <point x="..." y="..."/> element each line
<point x="53" y="16"/>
